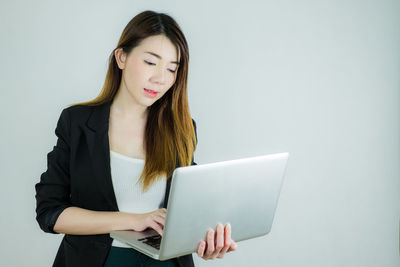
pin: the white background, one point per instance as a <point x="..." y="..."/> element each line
<point x="319" y="79"/>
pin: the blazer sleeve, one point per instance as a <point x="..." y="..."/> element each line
<point x="195" y="132"/>
<point x="53" y="190"/>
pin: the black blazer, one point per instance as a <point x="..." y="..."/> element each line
<point x="79" y="174"/>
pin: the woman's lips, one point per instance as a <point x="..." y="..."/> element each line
<point x="150" y="92"/>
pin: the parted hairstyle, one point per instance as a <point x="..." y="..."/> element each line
<point x="169" y="133"/>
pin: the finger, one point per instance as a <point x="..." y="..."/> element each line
<point x="159" y="213"/>
<point x="233" y="246"/>
<point x="229" y="237"/>
<point x="200" y="248"/>
<point x="210" y="242"/>
<point x="157" y="228"/>
<point x="219" y="244"/>
<point x="227" y="240"/>
<point x="159" y="219"/>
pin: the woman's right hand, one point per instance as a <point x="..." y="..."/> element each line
<point x="154" y="220"/>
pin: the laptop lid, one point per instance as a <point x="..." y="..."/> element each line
<point x="242" y="192"/>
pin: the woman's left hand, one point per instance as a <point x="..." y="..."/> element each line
<point x="218" y="243"/>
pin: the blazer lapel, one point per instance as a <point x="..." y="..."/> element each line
<point x="99" y="149"/>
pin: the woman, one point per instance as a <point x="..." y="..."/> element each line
<point x="112" y="165"/>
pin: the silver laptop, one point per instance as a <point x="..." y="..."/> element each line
<point x="243" y="192"/>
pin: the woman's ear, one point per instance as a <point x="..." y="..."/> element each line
<point x="120" y="57"/>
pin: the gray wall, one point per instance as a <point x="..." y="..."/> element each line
<point x="319" y="79"/>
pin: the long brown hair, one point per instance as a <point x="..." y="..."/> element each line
<point x="169" y="134"/>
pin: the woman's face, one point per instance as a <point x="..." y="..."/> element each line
<point x="152" y="65"/>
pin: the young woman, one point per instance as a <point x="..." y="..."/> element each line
<point x="112" y="165"/>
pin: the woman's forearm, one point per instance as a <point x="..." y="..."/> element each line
<point x="78" y="221"/>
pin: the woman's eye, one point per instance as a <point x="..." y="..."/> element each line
<point x="150" y="63"/>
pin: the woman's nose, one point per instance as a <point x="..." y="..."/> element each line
<point x="159" y="75"/>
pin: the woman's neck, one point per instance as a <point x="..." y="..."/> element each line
<point x="123" y="107"/>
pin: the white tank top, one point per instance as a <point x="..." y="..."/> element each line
<point x="125" y="172"/>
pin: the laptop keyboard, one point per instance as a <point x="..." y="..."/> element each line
<point x="153" y="241"/>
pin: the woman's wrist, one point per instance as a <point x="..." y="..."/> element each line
<point x="126" y="221"/>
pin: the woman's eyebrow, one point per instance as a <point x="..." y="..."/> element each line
<point x="158" y="56"/>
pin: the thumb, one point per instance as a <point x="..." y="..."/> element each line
<point x="233" y="246"/>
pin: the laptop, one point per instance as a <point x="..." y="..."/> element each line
<point x="243" y="192"/>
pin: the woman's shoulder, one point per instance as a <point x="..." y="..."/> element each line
<point x="79" y="112"/>
<point x="79" y="109"/>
